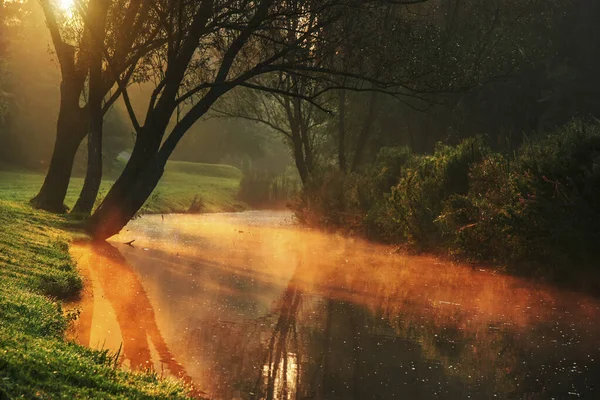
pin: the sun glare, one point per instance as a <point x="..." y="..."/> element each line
<point x="66" y="5"/>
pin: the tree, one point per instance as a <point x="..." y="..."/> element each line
<point x="366" y="34"/>
<point x="30" y="104"/>
<point x="472" y="62"/>
<point x="303" y="105"/>
<point x="285" y="112"/>
<point x="130" y="38"/>
<point x="213" y="47"/>
<point x="97" y="15"/>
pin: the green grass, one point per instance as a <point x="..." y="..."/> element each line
<point x="36" y="272"/>
<point x="213" y="188"/>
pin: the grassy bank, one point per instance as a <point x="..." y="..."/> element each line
<point x="36" y="272"/>
<point x="534" y="211"/>
<point x="185" y="187"/>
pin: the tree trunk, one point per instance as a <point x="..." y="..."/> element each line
<point x="128" y="194"/>
<point x="299" y="159"/>
<point x="301" y="127"/>
<point x="365" y="132"/>
<point x="93" y="177"/>
<point x="342" y="131"/>
<point x="145" y="167"/>
<point x="137" y="181"/>
<point x="112" y="216"/>
<point x="411" y="135"/>
<point x="70" y="131"/>
<point x="308" y="154"/>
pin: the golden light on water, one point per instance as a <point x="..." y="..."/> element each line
<point x="249" y="309"/>
<point x="281" y="381"/>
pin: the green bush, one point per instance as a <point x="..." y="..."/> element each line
<point x="536" y="211"/>
<point x="482" y="223"/>
<point x="332" y="199"/>
<point x="415" y="203"/>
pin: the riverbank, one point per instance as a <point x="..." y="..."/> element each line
<point x="37" y="274"/>
<point x="36" y="361"/>
<point x="534" y="211"/>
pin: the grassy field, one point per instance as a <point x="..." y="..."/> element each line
<point x="37" y="273"/>
<point x="201" y="187"/>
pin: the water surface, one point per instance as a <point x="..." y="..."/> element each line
<point x="250" y="306"/>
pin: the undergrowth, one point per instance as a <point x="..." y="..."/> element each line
<point x="536" y="211"/>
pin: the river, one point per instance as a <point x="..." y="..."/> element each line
<point x="250" y="306"/>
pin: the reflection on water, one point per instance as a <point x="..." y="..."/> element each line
<point x="247" y="306"/>
<point x="117" y="313"/>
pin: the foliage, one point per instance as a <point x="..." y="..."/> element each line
<point x="540" y="207"/>
<point x="30" y="88"/>
<point x="3" y="97"/>
<point x="429" y="181"/>
<point x="535" y="211"/>
<point x="3" y="69"/>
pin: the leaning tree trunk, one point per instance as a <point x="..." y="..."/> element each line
<point x="71" y="128"/>
<point x="131" y="189"/>
<point x="111" y="217"/>
<point x="144" y="168"/>
<point x="93" y="176"/>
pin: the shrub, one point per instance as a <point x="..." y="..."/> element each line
<point x="413" y="205"/>
<point x="536" y="211"/>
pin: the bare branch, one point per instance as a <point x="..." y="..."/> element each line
<point x="271" y="125"/>
<point x="286" y="94"/>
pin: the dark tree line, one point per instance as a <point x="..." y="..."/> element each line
<point x="502" y="69"/>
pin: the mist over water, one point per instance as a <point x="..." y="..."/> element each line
<point x="251" y="306"/>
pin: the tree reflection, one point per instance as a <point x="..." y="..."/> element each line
<point x="281" y="367"/>
<point x="104" y="266"/>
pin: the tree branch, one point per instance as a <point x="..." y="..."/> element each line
<point x="271" y="125"/>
